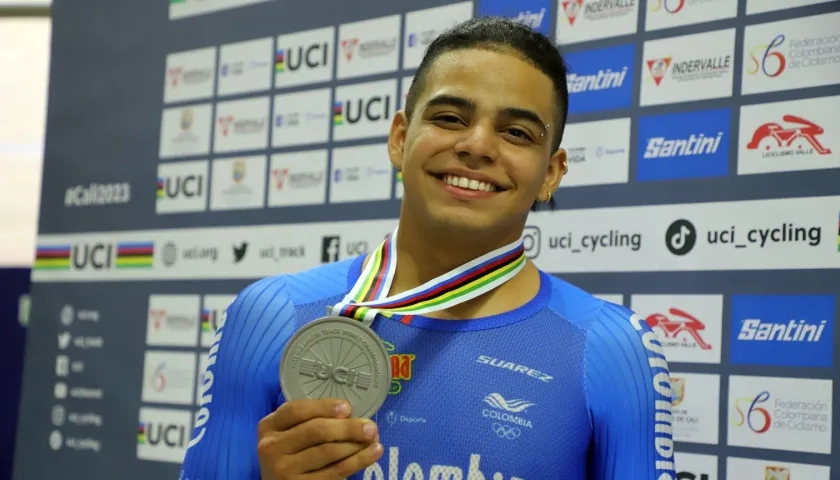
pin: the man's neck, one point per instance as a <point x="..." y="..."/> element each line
<point x="424" y="254"/>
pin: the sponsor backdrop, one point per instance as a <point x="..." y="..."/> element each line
<point x="247" y="138"/>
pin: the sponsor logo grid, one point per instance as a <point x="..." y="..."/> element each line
<point x="282" y="142"/>
<point x="691" y="143"/>
<point x="181" y="341"/>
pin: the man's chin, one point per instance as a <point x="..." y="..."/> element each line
<point x="453" y="218"/>
<point x="465" y="220"/>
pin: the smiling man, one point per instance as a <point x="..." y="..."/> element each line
<point x="499" y="370"/>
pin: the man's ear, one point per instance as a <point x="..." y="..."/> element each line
<point x="396" y="139"/>
<point x="557" y="167"/>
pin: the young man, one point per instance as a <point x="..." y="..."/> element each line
<point x="531" y="379"/>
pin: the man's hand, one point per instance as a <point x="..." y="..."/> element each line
<point x="315" y="440"/>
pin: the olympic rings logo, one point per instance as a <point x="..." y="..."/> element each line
<point x="506" y="431"/>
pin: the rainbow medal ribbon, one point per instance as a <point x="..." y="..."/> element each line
<point x="340" y="356"/>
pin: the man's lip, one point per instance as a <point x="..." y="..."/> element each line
<point x="471" y="175"/>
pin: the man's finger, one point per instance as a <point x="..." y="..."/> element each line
<point x="328" y="430"/>
<point x="319" y="456"/>
<point x="296" y="412"/>
<point x="350" y="465"/>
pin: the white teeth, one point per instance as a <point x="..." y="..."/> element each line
<point x="469" y="184"/>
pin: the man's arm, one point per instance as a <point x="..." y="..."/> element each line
<point x="629" y="392"/>
<point x="241" y="385"/>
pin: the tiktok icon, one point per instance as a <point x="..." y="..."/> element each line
<point x="680" y="237"/>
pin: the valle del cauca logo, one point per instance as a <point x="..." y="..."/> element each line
<point x="402" y="365"/>
<point x="95" y="256"/>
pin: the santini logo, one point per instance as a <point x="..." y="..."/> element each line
<point x="756" y="330"/>
<point x="699" y="140"/>
<point x="531" y="19"/>
<point x="495" y="400"/>
<point x="661" y="147"/>
<point x="783" y="330"/>
<point x="603" y="79"/>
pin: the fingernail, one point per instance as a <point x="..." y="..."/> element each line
<point x="370" y="430"/>
<point x="375" y="448"/>
<point x="342" y="408"/>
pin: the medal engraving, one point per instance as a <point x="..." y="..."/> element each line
<point x="337" y="357"/>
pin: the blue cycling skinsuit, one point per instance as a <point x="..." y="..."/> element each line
<point x="566" y="387"/>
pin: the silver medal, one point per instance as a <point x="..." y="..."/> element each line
<point x="337" y="357"/>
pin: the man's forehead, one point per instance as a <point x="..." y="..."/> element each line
<point x="489" y="79"/>
<point x="455" y="94"/>
<point x="465" y="63"/>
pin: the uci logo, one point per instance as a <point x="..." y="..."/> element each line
<point x="313" y="56"/>
<point x="214" y="319"/>
<point x="357" y="248"/>
<point x="188" y="186"/>
<point x="97" y="256"/>
<point x="373" y="109"/>
<point x="174" y="436"/>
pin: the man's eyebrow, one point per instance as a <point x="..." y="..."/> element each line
<point x="452" y="101"/>
<point x="509" y="112"/>
<point x="523" y="114"/>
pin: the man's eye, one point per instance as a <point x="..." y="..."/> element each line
<point x="519" y="133"/>
<point x="448" y="118"/>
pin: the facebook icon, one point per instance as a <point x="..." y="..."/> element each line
<point x="330" y="248"/>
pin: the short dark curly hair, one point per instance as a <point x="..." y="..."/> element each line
<point x="500" y="34"/>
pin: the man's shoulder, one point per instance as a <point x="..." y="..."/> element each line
<point x="608" y="326"/>
<point x="617" y="338"/>
<point x="311" y="286"/>
<point x="322" y="282"/>
<point x="587" y="310"/>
